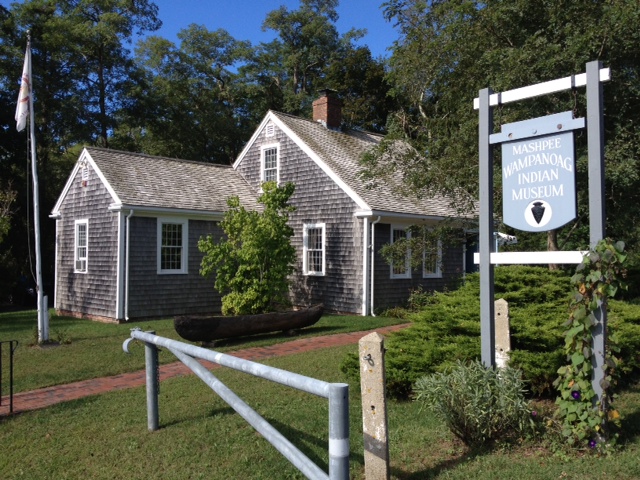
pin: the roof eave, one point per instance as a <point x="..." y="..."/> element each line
<point x="145" y="210"/>
<point x="391" y="214"/>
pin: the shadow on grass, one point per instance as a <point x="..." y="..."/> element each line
<point x="631" y="421"/>
<point x="307" y="443"/>
<point x="440" y="467"/>
<point x="18" y="321"/>
<point x="630" y="428"/>
<point x="214" y="412"/>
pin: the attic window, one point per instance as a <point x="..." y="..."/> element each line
<point x="270" y="130"/>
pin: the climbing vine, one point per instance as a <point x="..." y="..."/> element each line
<point x="585" y="420"/>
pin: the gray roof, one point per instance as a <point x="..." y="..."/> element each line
<point x="342" y="150"/>
<point x="159" y="182"/>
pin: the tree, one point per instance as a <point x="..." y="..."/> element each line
<point x="98" y="31"/>
<point x="80" y="76"/>
<point x="363" y="88"/>
<point x="7" y="197"/>
<point x="191" y="104"/>
<point x="253" y="263"/>
<point x="448" y="51"/>
<point x="308" y="55"/>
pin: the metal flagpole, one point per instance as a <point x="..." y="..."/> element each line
<point x="43" y="316"/>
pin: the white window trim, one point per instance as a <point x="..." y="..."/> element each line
<point x="438" y="272"/>
<point x="407" y="270"/>
<point x="305" y="249"/>
<point x="185" y="245"/>
<point x="262" y="166"/>
<point x="77" y="259"/>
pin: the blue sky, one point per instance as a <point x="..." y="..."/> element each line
<point x="243" y="19"/>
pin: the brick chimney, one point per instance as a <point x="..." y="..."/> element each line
<point x="328" y="109"/>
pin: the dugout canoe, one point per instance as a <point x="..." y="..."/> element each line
<point x="208" y="328"/>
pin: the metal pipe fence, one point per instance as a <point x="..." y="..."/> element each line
<point x="336" y="393"/>
<point x="13" y="344"/>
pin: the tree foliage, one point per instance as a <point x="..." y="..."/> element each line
<point x="253" y="262"/>
<point x="7" y="197"/>
<point x="191" y="103"/>
<point x="448" y="51"/>
<point x="309" y="55"/>
<point x="198" y="99"/>
<point x="81" y="75"/>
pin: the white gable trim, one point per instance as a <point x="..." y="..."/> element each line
<point x="270" y="117"/>
<point x="85" y="158"/>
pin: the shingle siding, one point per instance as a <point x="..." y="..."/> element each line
<point x="390" y="292"/>
<point x="161" y="295"/>
<point x="318" y="199"/>
<point x="92" y="293"/>
<point x="322" y="163"/>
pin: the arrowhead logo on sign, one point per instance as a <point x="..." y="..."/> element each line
<point x="538" y="177"/>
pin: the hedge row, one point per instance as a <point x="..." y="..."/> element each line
<point x="447" y="329"/>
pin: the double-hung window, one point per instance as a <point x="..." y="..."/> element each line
<point x="81" y="246"/>
<point x="432" y="259"/>
<point x="314" y="244"/>
<point x="270" y="162"/>
<point x="172" y="245"/>
<point x="401" y="269"/>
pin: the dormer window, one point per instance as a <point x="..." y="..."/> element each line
<point x="270" y="162"/>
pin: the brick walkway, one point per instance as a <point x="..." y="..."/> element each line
<point x="46" y="397"/>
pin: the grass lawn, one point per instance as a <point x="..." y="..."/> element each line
<point x="95" y="349"/>
<point x="106" y="437"/>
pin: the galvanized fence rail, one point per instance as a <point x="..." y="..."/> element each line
<point x="336" y="393"/>
<point x="13" y="344"/>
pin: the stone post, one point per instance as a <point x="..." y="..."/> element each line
<point x="374" y="407"/>
<point x="503" y="334"/>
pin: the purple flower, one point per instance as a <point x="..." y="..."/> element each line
<point x="534" y="413"/>
<point x="576" y="395"/>
<point x="592" y="444"/>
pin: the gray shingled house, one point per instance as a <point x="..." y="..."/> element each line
<point x="127" y="227"/>
<point x="128" y="224"/>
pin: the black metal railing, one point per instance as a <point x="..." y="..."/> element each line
<point x="13" y="344"/>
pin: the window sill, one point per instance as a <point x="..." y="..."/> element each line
<point x="314" y="274"/>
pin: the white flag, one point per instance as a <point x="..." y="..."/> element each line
<point x="22" y="110"/>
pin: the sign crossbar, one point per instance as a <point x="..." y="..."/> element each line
<point x="539" y="89"/>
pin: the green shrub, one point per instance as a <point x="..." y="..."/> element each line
<point x="447" y="329"/>
<point x="253" y="263"/>
<point x="479" y="405"/>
